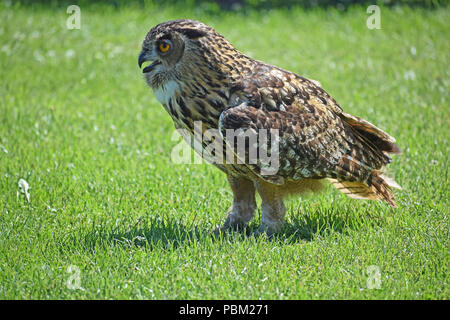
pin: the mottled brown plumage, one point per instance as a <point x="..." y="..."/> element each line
<point x="202" y="77"/>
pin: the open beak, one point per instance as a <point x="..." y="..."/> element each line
<point x="143" y="57"/>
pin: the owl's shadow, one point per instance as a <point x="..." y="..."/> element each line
<point x="156" y="233"/>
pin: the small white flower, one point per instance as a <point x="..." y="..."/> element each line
<point x="70" y="53"/>
<point x="23" y="188"/>
<point x="409" y="75"/>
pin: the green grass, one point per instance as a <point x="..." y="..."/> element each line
<point x="78" y="123"/>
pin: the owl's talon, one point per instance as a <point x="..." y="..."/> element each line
<point x="229" y="228"/>
<point x="269" y="230"/>
<point x="218" y="231"/>
<point x="231" y="225"/>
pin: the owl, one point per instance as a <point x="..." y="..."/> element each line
<point x="288" y="136"/>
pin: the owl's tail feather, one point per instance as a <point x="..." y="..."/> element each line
<point x="372" y="135"/>
<point x="377" y="187"/>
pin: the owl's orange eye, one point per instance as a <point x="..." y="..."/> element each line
<point x="164" y="47"/>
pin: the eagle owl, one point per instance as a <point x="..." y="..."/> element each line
<point x="199" y="77"/>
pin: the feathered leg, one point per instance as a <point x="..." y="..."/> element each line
<point x="243" y="208"/>
<point x="272" y="208"/>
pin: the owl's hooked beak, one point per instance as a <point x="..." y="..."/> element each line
<point x="146" y="56"/>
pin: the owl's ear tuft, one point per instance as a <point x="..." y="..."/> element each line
<point x="193" y="33"/>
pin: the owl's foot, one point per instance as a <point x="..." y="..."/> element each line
<point x="269" y="230"/>
<point x="272" y="209"/>
<point x="237" y="218"/>
<point x="244" y="205"/>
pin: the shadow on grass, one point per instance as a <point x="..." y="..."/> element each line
<point x="309" y="227"/>
<point x="157" y="233"/>
<point x="153" y="233"/>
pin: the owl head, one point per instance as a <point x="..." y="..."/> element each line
<point x="175" y="46"/>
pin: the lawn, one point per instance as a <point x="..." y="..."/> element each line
<point x="110" y="216"/>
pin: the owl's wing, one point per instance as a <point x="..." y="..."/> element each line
<point x="306" y="141"/>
